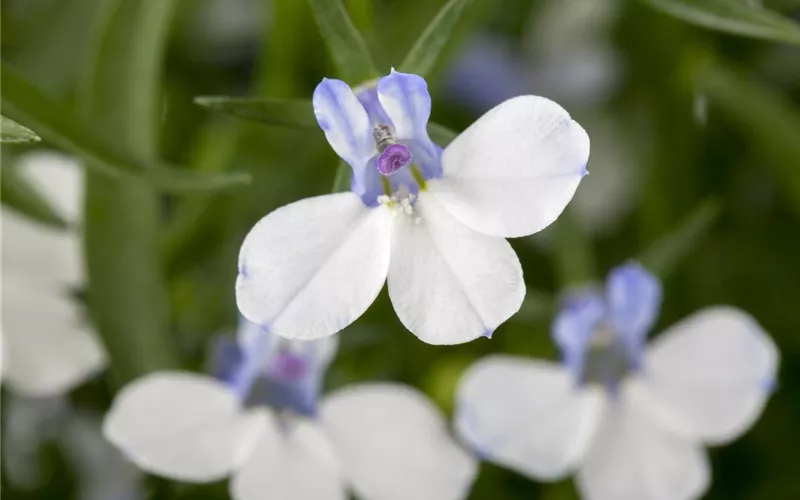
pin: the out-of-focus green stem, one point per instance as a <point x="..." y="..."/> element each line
<point x="574" y="257"/>
<point x="121" y="90"/>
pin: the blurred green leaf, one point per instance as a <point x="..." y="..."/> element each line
<point x="740" y="17"/>
<point x="440" y="134"/>
<point x="762" y="114"/>
<point x="537" y="306"/>
<point x="345" y="43"/>
<point x="665" y="254"/>
<point x="295" y="113"/>
<point x="121" y="92"/>
<point x="341" y="181"/>
<point x="423" y="56"/>
<point x="17" y="192"/>
<point x="574" y="255"/>
<point x="54" y="122"/>
<point x="11" y="131"/>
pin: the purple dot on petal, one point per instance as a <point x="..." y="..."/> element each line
<point x="393" y="158"/>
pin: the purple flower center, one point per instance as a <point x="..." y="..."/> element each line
<point x="393" y="158"/>
<point x="288" y="366"/>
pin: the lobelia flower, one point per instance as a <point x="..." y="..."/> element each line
<point x="259" y="421"/>
<point x="430" y="221"/>
<point x="47" y="347"/>
<point x="631" y="421"/>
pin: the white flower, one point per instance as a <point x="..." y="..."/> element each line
<point x="47" y="348"/>
<point x="631" y="422"/>
<point x="258" y="421"/>
<point x="432" y="222"/>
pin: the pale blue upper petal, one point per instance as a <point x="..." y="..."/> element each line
<point x="634" y="300"/>
<point x="573" y="327"/>
<point x="345" y="122"/>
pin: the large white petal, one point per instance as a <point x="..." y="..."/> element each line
<point x="47" y="348"/>
<point x="295" y="461"/>
<point x="636" y="455"/>
<point x="527" y="415"/>
<point x="312" y="267"/>
<point x="513" y="171"/>
<point x="715" y="369"/>
<point x="448" y="283"/>
<point x="37" y="254"/>
<point x="184" y="426"/>
<point x="395" y="444"/>
<point x="58" y="177"/>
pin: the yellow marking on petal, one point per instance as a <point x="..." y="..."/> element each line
<point x="416" y="173"/>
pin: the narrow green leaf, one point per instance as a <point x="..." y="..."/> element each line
<point x="17" y="192"/>
<point x="294" y="113"/>
<point x="440" y="134"/>
<point x="739" y="17"/>
<point x="57" y="124"/>
<point x="11" y="131"/>
<point x="765" y="117"/>
<point x="666" y="253"/>
<point x="341" y="182"/>
<point x="425" y="53"/>
<point x="574" y="256"/>
<point x="346" y="45"/>
<point x="120" y="91"/>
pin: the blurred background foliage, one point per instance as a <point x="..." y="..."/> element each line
<point x="695" y="169"/>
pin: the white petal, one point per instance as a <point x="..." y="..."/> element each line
<point x="37" y="254"/>
<point x="395" y="444"/>
<point x="515" y="169"/>
<point x="47" y="347"/>
<point x="312" y="267"/>
<point x="715" y="369"/>
<point x="182" y="425"/>
<point x="58" y="178"/>
<point x="527" y="415"/>
<point x="294" y="462"/>
<point x="448" y="283"/>
<point x="636" y="457"/>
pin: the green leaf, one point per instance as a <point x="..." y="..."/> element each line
<point x="425" y="53"/>
<point x="440" y="134"/>
<point x="763" y="116"/>
<point x="666" y="253"/>
<point x="574" y="255"/>
<point x="294" y="113"/>
<point x="17" y="192"/>
<point x="341" y="181"/>
<point x="55" y="123"/>
<point x="739" y="17"/>
<point x="121" y="92"/>
<point x="11" y="131"/>
<point x="346" y="45"/>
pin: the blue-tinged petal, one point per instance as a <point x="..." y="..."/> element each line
<point x="226" y="359"/>
<point x="634" y="301"/>
<point x="580" y="315"/>
<point x="406" y="100"/>
<point x="345" y="122"/>
<point x="368" y="97"/>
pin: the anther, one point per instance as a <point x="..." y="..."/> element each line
<point x="393" y="158"/>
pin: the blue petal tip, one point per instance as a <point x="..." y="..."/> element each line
<point x="488" y="334"/>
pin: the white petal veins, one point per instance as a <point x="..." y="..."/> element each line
<point x="448" y="283"/>
<point x="312" y="267"/>
<point x="512" y="172"/>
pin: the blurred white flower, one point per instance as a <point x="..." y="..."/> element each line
<point x="30" y="423"/>
<point x="47" y="347"/>
<point x="632" y="423"/>
<point x="431" y="222"/>
<point x="258" y="421"/>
